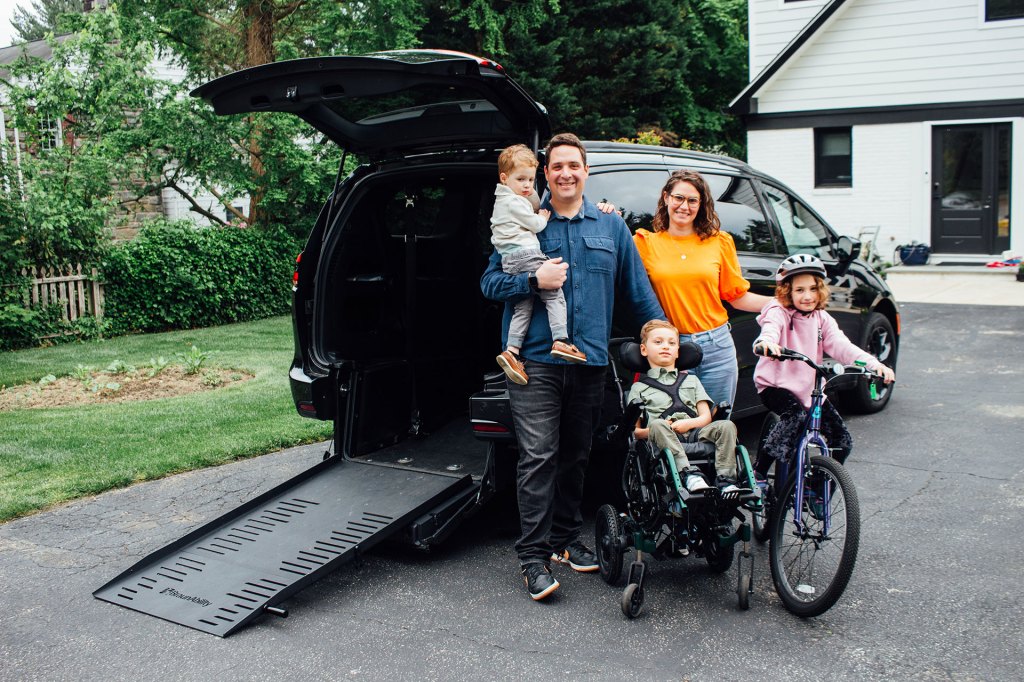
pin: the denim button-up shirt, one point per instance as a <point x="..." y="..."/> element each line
<point x="602" y="262"/>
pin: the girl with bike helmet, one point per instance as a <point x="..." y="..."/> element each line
<point x="796" y="319"/>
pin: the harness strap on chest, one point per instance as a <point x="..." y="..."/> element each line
<point x="672" y="390"/>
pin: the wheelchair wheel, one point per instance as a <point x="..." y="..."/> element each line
<point x="719" y="558"/>
<point x="810" y="568"/>
<point x="632" y="600"/>
<point x="609" y="547"/>
<point x="743" y="591"/>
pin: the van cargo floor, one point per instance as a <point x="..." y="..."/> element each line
<point x="450" y="449"/>
<point x="230" y="571"/>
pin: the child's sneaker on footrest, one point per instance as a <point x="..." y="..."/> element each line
<point x="566" y="351"/>
<point x="728" y="485"/>
<point x="694" y="481"/>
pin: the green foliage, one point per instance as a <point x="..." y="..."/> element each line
<point x="32" y="21"/>
<point x="193" y="360"/>
<point x="72" y="112"/>
<point x="177" y="276"/>
<point x="156" y="365"/>
<point x="19" y="326"/>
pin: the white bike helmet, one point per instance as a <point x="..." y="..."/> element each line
<point x="799" y="264"/>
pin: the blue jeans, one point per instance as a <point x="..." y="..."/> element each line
<point x="718" y="371"/>
<point x="554" y="414"/>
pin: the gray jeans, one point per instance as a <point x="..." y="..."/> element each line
<point x="528" y="260"/>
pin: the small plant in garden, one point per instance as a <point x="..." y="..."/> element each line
<point x="212" y="379"/>
<point x="48" y="379"/>
<point x="193" y="360"/>
<point x="119" y="367"/>
<point x="83" y="373"/>
<point x="156" y="365"/>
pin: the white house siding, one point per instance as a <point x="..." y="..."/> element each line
<point x="773" y="23"/>
<point x="884" y="53"/>
<point x="890" y="183"/>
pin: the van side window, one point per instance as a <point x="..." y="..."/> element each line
<point x="740" y="212"/>
<point x="802" y="231"/>
<point x="634" y="193"/>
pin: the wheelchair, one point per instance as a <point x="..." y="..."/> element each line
<point x="662" y="518"/>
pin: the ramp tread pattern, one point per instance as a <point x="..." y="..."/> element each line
<point x="262" y="553"/>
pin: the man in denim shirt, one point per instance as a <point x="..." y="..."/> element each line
<point x="593" y="256"/>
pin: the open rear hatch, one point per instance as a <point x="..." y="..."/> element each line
<point x="390" y="104"/>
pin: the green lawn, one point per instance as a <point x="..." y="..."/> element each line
<point x="49" y="456"/>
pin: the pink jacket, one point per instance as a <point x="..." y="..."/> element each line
<point x="813" y="335"/>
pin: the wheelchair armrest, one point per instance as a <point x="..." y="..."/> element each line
<point x="721" y="411"/>
<point x="624" y="427"/>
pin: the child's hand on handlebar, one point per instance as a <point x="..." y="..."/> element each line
<point x="888" y="376"/>
<point x="767" y="349"/>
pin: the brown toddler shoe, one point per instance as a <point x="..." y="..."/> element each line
<point x="514" y="369"/>
<point x="567" y="351"/>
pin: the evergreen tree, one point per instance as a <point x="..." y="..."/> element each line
<point x="42" y="17"/>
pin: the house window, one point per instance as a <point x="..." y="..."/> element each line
<point x="833" y="161"/>
<point x="49" y="133"/>
<point x="1000" y="10"/>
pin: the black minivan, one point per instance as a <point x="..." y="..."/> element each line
<point x="392" y="334"/>
<point x="394" y="341"/>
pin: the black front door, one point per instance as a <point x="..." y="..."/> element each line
<point x="971" y="188"/>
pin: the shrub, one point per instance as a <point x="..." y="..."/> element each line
<point x="179" y="276"/>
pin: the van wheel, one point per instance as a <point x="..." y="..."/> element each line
<point x="879" y="340"/>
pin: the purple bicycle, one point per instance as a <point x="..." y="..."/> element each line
<point x="810" y="513"/>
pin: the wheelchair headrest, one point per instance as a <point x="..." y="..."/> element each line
<point x="690" y="355"/>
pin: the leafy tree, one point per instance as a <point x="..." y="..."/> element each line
<point x="42" y="17"/>
<point x="612" y="68"/>
<point x="255" y="155"/>
<point x="59" y="198"/>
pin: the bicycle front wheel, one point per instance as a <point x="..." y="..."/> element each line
<point x="811" y="567"/>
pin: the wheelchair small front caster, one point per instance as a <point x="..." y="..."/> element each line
<point x="632" y="600"/>
<point x="745" y="580"/>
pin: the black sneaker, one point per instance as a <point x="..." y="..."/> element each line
<point x="578" y="556"/>
<point x="539" y="581"/>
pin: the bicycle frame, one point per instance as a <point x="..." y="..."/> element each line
<point x="812" y="436"/>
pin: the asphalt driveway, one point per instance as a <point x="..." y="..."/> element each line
<point x="935" y="593"/>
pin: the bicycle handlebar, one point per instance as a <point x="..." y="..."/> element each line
<point x="836" y="369"/>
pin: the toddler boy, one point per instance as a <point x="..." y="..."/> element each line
<point x="515" y="223"/>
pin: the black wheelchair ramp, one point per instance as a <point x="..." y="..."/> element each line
<point x="234" y="569"/>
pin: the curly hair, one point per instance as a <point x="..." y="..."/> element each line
<point x="706" y="223"/>
<point x="784" y="292"/>
<point x="516" y="155"/>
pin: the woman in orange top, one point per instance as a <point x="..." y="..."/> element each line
<point x="693" y="267"/>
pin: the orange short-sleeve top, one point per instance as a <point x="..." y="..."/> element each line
<point x="691" y="277"/>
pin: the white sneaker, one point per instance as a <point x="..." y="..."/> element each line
<point x="695" y="483"/>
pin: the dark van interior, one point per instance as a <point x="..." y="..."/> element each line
<point x="401" y="308"/>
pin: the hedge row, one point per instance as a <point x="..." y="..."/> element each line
<point x="179" y="276"/>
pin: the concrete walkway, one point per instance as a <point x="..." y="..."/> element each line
<point x="967" y="285"/>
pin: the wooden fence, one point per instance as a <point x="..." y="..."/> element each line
<point x="79" y="294"/>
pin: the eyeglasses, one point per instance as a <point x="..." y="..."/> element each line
<point x="692" y="202"/>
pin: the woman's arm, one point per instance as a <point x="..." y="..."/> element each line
<point x="750" y="302"/>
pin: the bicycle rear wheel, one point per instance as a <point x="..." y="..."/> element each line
<point x="810" y="568"/>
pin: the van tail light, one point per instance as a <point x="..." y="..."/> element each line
<point x="488" y="427"/>
<point x="295" y="275"/>
<point x="899" y="325"/>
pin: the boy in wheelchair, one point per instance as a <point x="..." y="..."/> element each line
<point x="679" y="412"/>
